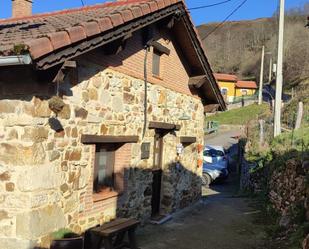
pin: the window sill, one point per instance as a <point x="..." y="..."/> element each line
<point x="157" y="77"/>
<point x="104" y="195"/>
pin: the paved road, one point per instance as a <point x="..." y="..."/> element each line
<point x="229" y="140"/>
<point x="220" y="221"/>
<point x="225" y="139"/>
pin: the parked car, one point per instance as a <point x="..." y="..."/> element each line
<point x="215" y="164"/>
<point x="209" y="174"/>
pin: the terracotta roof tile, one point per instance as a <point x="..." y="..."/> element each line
<point x="137" y="11"/>
<point x="153" y="6"/>
<point x="91" y="28"/>
<point x="76" y="33"/>
<point x="39" y="47"/>
<point x="145" y="8"/>
<point x="225" y="77"/>
<point x="126" y="15"/>
<point x="246" y="84"/>
<point x="58" y="29"/>
<point x="161" y="4"/>
<point x="59" y="39"/>
<point x="116" y="19"/>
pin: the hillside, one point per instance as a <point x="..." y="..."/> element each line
<point x="236" y="46"/>
<point x="240" y="116"/>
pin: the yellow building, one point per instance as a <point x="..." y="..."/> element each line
<point x="245" y="88"/>
<point x="227" y="84"/>
<point x="232" y="88"/>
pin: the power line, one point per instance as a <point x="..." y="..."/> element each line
<point x="82" y="2"/>
<point x="224" y="21"/>
<point x="210" y="5"/>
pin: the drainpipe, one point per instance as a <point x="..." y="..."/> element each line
<point x="145" y="90"/>
<point x="15" y="60"/>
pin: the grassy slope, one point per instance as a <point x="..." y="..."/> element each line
<point x="239" y="116"/>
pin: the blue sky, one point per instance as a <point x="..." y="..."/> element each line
<point x="251" y="10"/>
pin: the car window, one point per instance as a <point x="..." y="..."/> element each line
<point x="213" y="153"/>
<point x="207" y="153"/>
<point x="219" y="153"/>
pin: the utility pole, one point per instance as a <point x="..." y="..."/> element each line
<point x="270" y="69"/>
<point x="261" y="76"/>
<point x="279" y="79"/>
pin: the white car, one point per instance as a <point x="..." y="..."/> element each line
<point x="209" y="174"/>
<point x="215" y="164"/>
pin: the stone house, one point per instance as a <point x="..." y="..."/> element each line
<point x="101" y="115"/>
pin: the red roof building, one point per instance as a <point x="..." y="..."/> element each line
<point x="246" y="84"/>
<point x="225" y="77"/>
<point x="232" y="88"/>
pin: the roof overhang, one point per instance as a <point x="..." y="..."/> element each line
<point x="88" y="44"/>
<point x="201" y="84"/>
<point x="209" y="87"/>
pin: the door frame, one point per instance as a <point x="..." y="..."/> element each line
<point x="157" y="169"/>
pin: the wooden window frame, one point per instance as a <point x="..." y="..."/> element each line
<point x="105" y="192"/>
<point x="156" y="64"/>
<point x="115" y="143"/>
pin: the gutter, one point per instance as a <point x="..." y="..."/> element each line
<point x="15" y="60"/>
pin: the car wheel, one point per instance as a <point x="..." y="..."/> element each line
<point x="206" y="179"/>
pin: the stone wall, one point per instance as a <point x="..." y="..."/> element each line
<point x="286" y="185"/>
<point x="46" y="176"/>
<point x="288" y="190"/>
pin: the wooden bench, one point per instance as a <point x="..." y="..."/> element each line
<point x="112" y="234"/>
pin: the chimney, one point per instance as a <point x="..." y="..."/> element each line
<point x="21" y="8"/>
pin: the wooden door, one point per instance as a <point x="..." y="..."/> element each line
<point x="158" y="151"/>
<point x="157" y="175"/>
<point x="156" y="192"/>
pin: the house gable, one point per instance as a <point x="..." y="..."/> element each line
<point x="111" y="23"/>
<point x="174" y="72"/>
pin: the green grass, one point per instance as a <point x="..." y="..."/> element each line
<point x="61" y="233"/>
<point x="297" y="140"/>
<point x="240" y="116"/>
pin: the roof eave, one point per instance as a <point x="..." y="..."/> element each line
<point x="204" y="62"/>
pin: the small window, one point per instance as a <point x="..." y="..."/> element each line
<point x="223" y="91"/>
<point x="244" y="92"/>
<point x="156" y="62"/>
<point x="104" y="169"/>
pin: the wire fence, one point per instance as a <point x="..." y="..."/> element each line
<point x="244" y="98"/>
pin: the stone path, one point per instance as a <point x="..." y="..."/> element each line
<point x="220" y="221"/>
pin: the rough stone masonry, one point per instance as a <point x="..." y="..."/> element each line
<point x="46" y="176"/>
